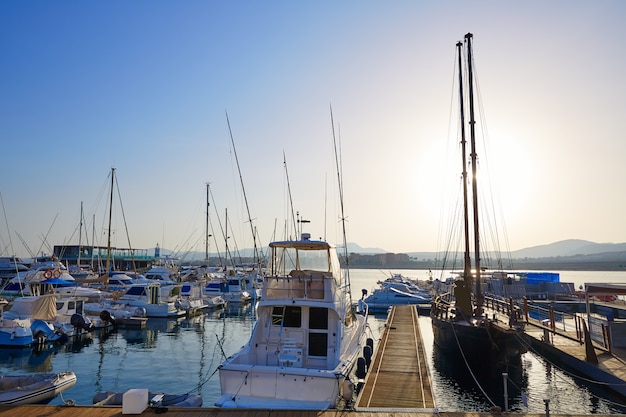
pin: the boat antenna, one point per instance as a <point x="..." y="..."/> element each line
<point x="343" y="218"/>
<point x="256" y="254"/>
<point x="293" y="216"/>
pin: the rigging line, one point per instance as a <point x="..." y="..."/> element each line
<point x="293" y="216"/>
<point x="468" y="367"/>
<point x="451" y="106"/>
<point x="45" y="238"/>
<point x="219" y="222"/>
<point x="6" y="222"/>
<point x="343" y="218"/>
<point x="130" y="247"/>
<point x="256" y="255"/>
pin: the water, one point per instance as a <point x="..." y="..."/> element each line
<point x="181" y="356"/>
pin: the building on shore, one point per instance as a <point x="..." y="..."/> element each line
<point x="94" y="257"/>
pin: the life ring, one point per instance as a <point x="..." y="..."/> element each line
<point x="47" y="274"/>
<point x="57" y="273"/>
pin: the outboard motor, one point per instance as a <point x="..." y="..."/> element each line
<point x="44" y="332"/>
<point x="106" y="316"/>
<point x="81" y="322"/>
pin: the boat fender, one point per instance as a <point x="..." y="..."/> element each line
<point x="348" y="390"/>
<point x="140" y="312"/>
<point x="360" y="368"/>
<point x="370" y="342"/>
<point x="367" y="355"/>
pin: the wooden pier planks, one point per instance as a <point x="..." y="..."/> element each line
<point x="398" y="376"/>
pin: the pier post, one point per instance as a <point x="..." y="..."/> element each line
<point x="506" y="394"/>
<point x="526" y="308"/>
<point x="547" y="403"/>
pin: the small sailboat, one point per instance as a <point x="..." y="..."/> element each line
<point x="460" y="320"/>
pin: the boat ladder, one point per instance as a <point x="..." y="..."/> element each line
<point x="276" y="326"/>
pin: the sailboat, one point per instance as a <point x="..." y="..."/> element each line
<point x="461" y="321"/>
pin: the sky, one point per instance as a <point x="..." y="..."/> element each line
<point x="263" y="100"/>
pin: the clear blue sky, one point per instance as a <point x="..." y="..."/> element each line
<point x="144" y="86"/>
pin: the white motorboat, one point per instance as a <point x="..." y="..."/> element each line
<point x="34" y="389"/>
<point x="14" y="332"/>
<point x="396" y="291"/>
<point x="234" y="286"/>
<point x="155" y="299"/>
<point x="307" y="338"/>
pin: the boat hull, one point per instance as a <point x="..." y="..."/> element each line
<point x="34" y="389"/>
<point x="481" y="343"/>
<point x="277" y="388"/>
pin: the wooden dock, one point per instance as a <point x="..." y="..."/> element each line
<point x="565" y="349"/>
<point x="90" y="411"/>
<point x="398" y="377"/>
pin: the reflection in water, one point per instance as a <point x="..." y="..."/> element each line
<point x="483" y="385"/>
<point x="182" y="356"/>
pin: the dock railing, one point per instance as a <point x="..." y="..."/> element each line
<point x="570" y="325"/>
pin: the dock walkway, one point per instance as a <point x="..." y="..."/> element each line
<point x="398" y="377"/>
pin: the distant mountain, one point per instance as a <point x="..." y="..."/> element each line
<point x="569" y="247"/>
<point x="354" y="248"/>
<point x="564" y="248"/>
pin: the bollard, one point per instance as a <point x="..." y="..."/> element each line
<point x="506" y="394"/>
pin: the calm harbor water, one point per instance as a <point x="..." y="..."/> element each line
<point x="181" y="356"/>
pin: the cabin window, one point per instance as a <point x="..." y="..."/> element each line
<point x="318" y="343"/>
<point x="318" y="318"/>
<point x="289" y="317"/>
<point x="135" y="291"/>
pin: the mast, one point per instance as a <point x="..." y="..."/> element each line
<point x="467" y="264"/>
<point x="108" y="264"/>
<point x="80" y="236"/>
<point x="256" y="252"/>
<point x="472" y="123"/>
<point x="343" y="216"/>
<point x="206" y="241"/>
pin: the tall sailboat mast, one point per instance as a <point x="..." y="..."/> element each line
<point x="206" y="236"/>
<point x="473" y="156"/>
<point x="467" y="263"/>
